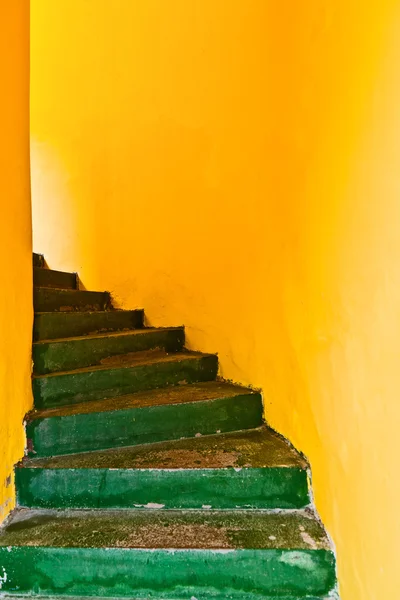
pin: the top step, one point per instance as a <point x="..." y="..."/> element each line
<point x="54" y="279"/>
<point x="38" y="260"/>
<point x="49" y="300"/>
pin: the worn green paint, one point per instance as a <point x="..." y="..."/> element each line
<point x="173" y="394"/>
<point x="54" y="279"/>
<point x="135" y="373"/>
<point x="169" y="575"/>
<point x="163" y="574"/>
<point x="52" y="325"/>
<point x="131" y="426"/>
<point x="169" y="489"/>
<point x="332" y="596"/>
<point x="47" y="299"/>
<point x="99" y="393"/>
<point x="74" y="353"/>
<point x="254" y="468"/>
<point x="166" y="554"/>
<point x="37" y="260"/>
<point x="298" y="529"/>
<point x="252" y="448"/>
<point x="6" y="596"/>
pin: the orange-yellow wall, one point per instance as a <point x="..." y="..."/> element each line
<point x="234" y="167"/>
<point x="337" y="96"/>
<point x="15" y="242"/>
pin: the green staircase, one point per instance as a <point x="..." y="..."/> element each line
<point x="146" y="476"/>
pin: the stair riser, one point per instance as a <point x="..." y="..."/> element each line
<point x="76" y="354"/>
<point x="170" y="489"/>
<point x="52" y="325"/>
<point x="130" y="427"/>
<point x="48" y="300"/>
<point x="7" y="596"/>
<point x="54" y="279"/>
<point x="168" y="574"/>
<point x="58" y="390"/>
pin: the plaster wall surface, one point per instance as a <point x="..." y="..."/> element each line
<point x="237" y="171"/>
<point x="16" y="310"/>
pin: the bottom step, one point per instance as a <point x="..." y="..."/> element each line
<point x="332" y="596"/>
<point x="166" y="555"/>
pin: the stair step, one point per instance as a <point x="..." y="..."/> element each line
<point x="50" y="299"/>
<point x="54" y="279"/>
<point x="53" y="325"/>
<point x="240" y="470"/>
<point x="122" y="375"/>
<point x="167" y="554"/>
<point x="78" y="352"/>
<point x="38" y="260"/>
<point x="146" y="417"/>
<point x="332" y="596"/>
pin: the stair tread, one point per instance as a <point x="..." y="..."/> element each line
<point x="291" y="530"/>
<point x="107" y="334"/>
<point x="56" y="289"/>
<point x="256" y="448"/>
<point x="195" y="392"/>
<point x="83" y="312"/>
<point x="46" y="299"/>
<point x="133" y="359"/>
<point x="54" y="279"/>
<point x="48" y="270"/>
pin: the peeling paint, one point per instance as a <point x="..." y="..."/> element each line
<point x="3" y="578"/>
<point x="158" y="488"/>
<point x="298" y="559"/>
<point x="308" y="540"/>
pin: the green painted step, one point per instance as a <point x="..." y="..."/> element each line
<point x="166" y="555"/>
<point x="152" y="416"/>
<point x="78" y="352"/>
<point x="332" y="596"/>
<point x="48" y="299"/>
<point x="53" y="325"/>
<point x="121" y="375"/>
<point x="241" y="470"/>
<point x="54" y="279"/>
<point x="38" y="260"/>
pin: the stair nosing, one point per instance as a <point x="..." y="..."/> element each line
<point x="49" y="270"/>
<point x="87" y="312"/>
<point x="173" y="518"/>
<point x="43" y="413"/>
<point x="107" y="334"/>
<point x="56" y="289"/>
<point x="302" y="464"/>
<point x="168" y="357"/>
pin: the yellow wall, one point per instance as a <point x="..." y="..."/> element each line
<point x="338" y="131"/>
<point x="15" y="242"/>
<point x="234" y="167"/>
